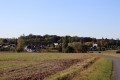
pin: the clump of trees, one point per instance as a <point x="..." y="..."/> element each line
<point x="74" y="47"/>
<point x="6" y="44"/>
<point x="6" y="41"/>
<point x="79" y="47"/>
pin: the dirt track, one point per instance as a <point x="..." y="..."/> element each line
<point x="116" y="66"/>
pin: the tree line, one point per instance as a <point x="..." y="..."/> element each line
<point x="65" y="44"/>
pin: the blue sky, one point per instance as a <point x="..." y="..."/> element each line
<point x="85" y="18"/>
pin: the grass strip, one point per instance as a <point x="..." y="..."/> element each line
<point x="100" y="70"/>
<point x="69" y="73"/>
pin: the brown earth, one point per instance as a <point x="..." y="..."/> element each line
<point x="40" y="70"/>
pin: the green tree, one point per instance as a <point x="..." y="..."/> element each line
<point x="79" y="47"/>
<point x="20" y="45"/>
<point x="4" y="41"/>
<point x="69" y="50"/>
<point x="83" y="48"/>
<point x="65" y="44"/>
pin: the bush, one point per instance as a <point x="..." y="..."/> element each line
<point x="69" y="50"/>
<point x="60" y="49"/>
<point x="103" y="49"/>
<point x="98" y="48"/>
<point x="118" y="51"/>
<point x="99" y="52"/>
<point x="91" y="52"/>
<point x="78" y="47"/>
<point x="83" y="48"/>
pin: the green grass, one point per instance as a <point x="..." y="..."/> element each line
<point x="101" y="70"/>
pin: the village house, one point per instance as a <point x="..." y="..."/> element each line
<point x="95" y="45"/>
<point x="27" y="49"/>
<point x="9" y="46"/>
<point x="56" y="44"/>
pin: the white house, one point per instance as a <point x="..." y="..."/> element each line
<point x="56" y="44"/>
<point x="95" y="45"/>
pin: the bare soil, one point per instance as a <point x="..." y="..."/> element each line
<point x="40" y="70"/>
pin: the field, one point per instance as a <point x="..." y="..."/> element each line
<point x="114" y="55"/>
<point x="38" y="66"/>
<point x="110" y="53"/>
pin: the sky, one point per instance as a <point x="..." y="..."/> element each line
<point x="84" y="18"/>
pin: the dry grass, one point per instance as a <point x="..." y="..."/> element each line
<point x="110" y="53"/>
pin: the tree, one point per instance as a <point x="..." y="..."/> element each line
<point x="79" y="47"/>
<point x="65" y="44"/>
<point x="83" y="48"/>
<point x="4" y="41"/>
<point x="69" y="50"/>
<point x="75" y="45"/>
<point x="20" y="45"/>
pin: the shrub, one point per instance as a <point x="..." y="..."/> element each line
<point x="69" y="50"/>
<point x="99" y="49"/>
<point x="99" y="52"/>
<point x="91" y="52"/>
<point x="83" y="48"/>
<point x="118" y="51"/>
<point x="60" y="49"/>
<point x="103" y="49"/>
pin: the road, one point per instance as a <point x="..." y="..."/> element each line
<point x="116" y="66"/>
